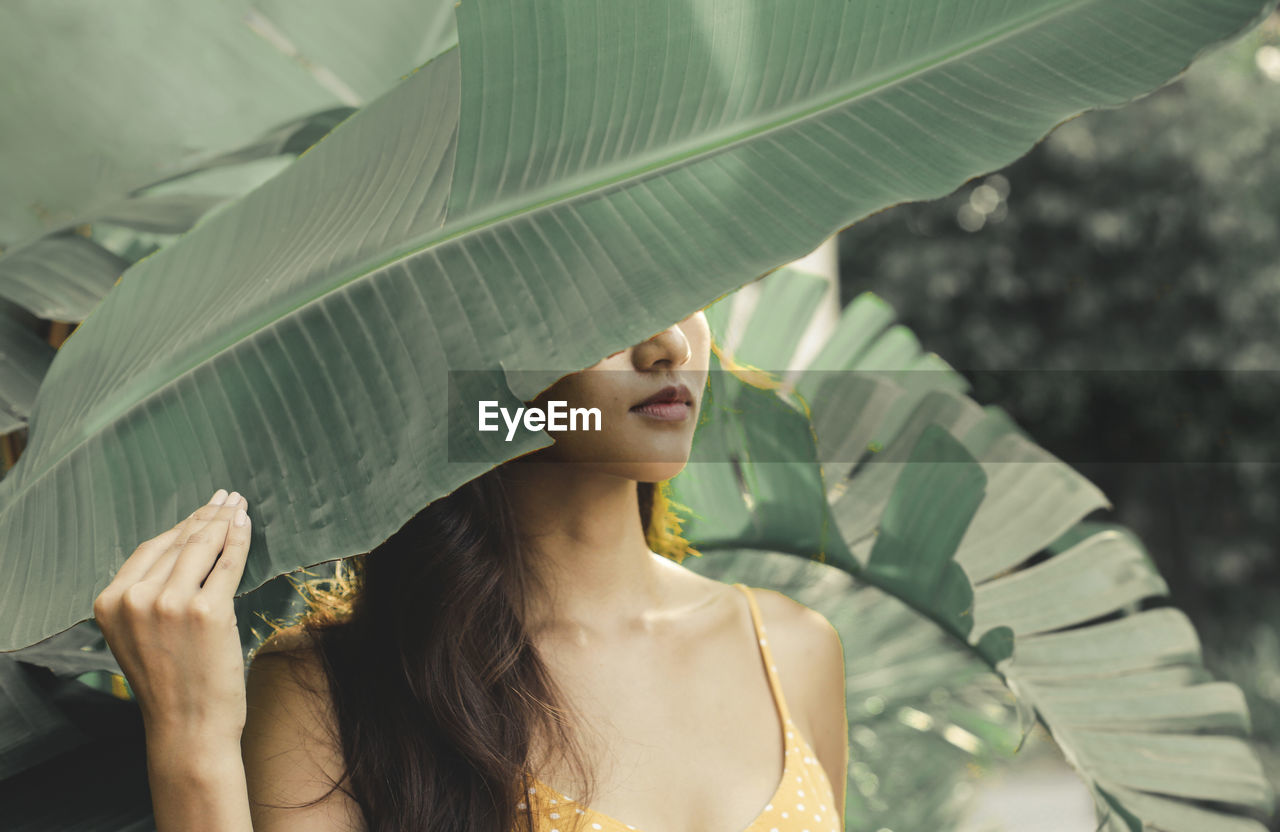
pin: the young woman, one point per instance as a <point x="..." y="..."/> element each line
<point x="516" y="657"/>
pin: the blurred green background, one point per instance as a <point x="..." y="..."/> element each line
<point x="1144" y="238"/>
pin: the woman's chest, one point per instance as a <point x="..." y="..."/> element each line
<point x="801" y="800"/>
<point x="673" y="743"/>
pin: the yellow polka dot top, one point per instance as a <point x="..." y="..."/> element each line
<point x="802" y="802"/>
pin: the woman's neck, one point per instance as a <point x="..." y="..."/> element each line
<point x="586" y="544"/>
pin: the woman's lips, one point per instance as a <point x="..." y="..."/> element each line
<point x="670" y="404"/>
<point x="664" y="411"/>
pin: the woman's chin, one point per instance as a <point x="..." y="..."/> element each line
<point x="631" y="469"/>
<point x="639" y="455"/>
<point x="656" y="461"/>
<point x="656" y="471"/>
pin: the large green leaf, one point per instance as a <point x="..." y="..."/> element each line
<point x="63" y="275"/>
<point x="59" y="277"/>
<point x="559" y="186"/>
<point x="24" y="359"/>
<point x="963" y="519"/>
<point x="101" y="99"/>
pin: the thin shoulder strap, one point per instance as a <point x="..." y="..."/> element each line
<point x="771" y="669"/>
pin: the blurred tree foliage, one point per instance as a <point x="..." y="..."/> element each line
<point x="1145" y="238"/>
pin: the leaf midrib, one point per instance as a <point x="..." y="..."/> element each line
<point x="701" y="149"/>
<point x="674" y="157"/>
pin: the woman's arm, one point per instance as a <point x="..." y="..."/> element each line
<point x="216" y="744"/>
<point x="168" y="617"/>
<point x="285" y="757"/>
<point x="197" y="783"/>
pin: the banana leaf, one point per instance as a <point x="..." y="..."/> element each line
<point x="24" y="359"/>
<point x="62" y="275"/>
<point x="563" y="183"/>
<point x="103" y="99"/>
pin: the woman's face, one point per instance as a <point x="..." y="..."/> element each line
<point x="648" y="396"/>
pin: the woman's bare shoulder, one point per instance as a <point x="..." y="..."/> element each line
<point x="291" y="748"/>
<point x="789" y="620"/>
<point x="806" y="647"/>
<point x="286" y="682"/>
<point x="810" y="658"/>
<point x="289" y="657"/>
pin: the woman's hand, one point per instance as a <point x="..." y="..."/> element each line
<point x="168" y="618"/>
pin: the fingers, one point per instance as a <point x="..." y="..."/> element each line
<point x="224" y="576"/>
<point x="145" y="556"/>
<point x="203" y="548"/>
<point x="201" y="541"/>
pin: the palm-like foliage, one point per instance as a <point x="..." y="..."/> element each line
<point x="953" y="511"/>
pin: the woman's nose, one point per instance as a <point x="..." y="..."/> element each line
<point x="670" y="347"/>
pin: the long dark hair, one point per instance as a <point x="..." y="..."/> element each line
<point x="437" y="689"/>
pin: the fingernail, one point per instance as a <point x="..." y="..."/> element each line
<point x="233" y="498"/>
<point x="219" y="497"/>
<point x="241" y="518"/>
